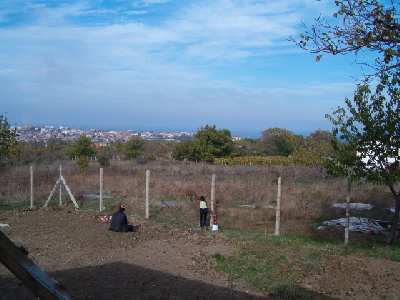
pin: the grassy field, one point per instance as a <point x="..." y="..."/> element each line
<point x="301" y="261"/>
<point x="280" y="264"/>
<point x="307" y="192"/>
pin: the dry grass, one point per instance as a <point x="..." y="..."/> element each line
<point x="307" y="193"/>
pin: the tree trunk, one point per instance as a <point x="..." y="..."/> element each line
<point x="393" y="233"/>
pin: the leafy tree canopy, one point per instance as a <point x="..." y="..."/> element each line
<point x="358" y="25"/>
<point x="214" y="142"/>
<point x="279" y="141"/>
<point x="134" y="147"/>
<point x="82" y="148"/>
<point x="7" y="138"/>
<point x="208" y="143"/>
<point x="369" y="127"/>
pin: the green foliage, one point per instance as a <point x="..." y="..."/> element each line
<point x="189" y="150"/>
<point x="315" y="149"/>
<point x="134" y="147"/>
<point x="367" y="130"/>
<point x="369" y="127"/>
<point x="214" y="142"/>
<point x="154" y="150"/>
<point x="320" y="137"/>
<point x="274" y="160"/>
<point x="279" y="141"/>
<point x="104" y="155"/>
<point x="82" y="149"/>
<point x="277" y="264"/>
<point x="246" y="147"/>
<point x="83" y="163"/>
<point x="209" y="143"/>
<point x="53" y="150"/>
<point x="7" y="139"/>
<point x="357" y="25"/>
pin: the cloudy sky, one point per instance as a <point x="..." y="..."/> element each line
<point x="167" y="64"/>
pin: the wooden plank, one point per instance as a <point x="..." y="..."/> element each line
<point x="69" y="192"/>
<point x="39" y="282"/>
<point x="52" y="192"/>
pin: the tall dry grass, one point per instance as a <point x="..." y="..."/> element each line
<point x="307" y="192"/>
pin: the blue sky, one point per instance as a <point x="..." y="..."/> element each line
<point x="167" y="64"/>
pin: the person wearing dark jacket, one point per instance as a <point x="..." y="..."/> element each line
<point x="119" y="221"/>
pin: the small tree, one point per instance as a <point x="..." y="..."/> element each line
<point x="134" y="147"/>
<point x="208" y="143"/>
<point x="369" y="124"/>
<point x="189" y="150"/>
<point x="369" y="127"/>
<point x="278" y="141"/>
<point x="82" y="149"/>
<point x="213" y="142"/>
<point x="104" y="155"/>
<point x="7" y="139"/>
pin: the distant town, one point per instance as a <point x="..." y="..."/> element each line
<point x="45" y="133"/>
<point x="42" y="134"/>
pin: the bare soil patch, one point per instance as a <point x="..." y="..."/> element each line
<point x="165" y="262"/>
<point x="93" y="263"/>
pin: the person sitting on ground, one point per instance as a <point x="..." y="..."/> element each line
<point x="119" y="221"/>
<point x="203" y="212"/>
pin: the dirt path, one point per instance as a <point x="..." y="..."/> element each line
<point x="94" y="263"/>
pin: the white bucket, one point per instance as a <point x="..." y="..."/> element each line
<point x="215" y="227"/>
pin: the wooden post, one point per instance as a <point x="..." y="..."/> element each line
<point x="31" y="199"/>
<point x="147" y="215"/>
<point x="101" y="190"/>
<point x="40" y="283"/>
<point x="348" y="197"/>
<point x="278" y="208"/>
<point x="62" y="181"/>
<point x="60" y="193"/>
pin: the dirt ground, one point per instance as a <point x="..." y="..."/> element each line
<point x="94" y="263"/>
<point x="163" y="263"/>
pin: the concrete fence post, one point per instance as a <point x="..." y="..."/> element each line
<point x="278" y="207"/>
<point x="60" y="192"/>
<point x="31" y="195"/>
<point x="147" y="213"/>
<point x="212" y="204"/>
<point x="101" y="206"/>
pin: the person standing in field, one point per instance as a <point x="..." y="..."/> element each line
<point x="119" y="220"/>
<point x="203" y="212"/>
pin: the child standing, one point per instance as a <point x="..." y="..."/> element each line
<point x="203" y="212"/>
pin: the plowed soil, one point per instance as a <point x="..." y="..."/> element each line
<point x="163" y="263"/>
<point x="94" y="263"/>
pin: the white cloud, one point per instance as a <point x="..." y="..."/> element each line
<point x="152" y="66"/>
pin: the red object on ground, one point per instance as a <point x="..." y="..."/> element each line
<point x="105" y="219"/>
